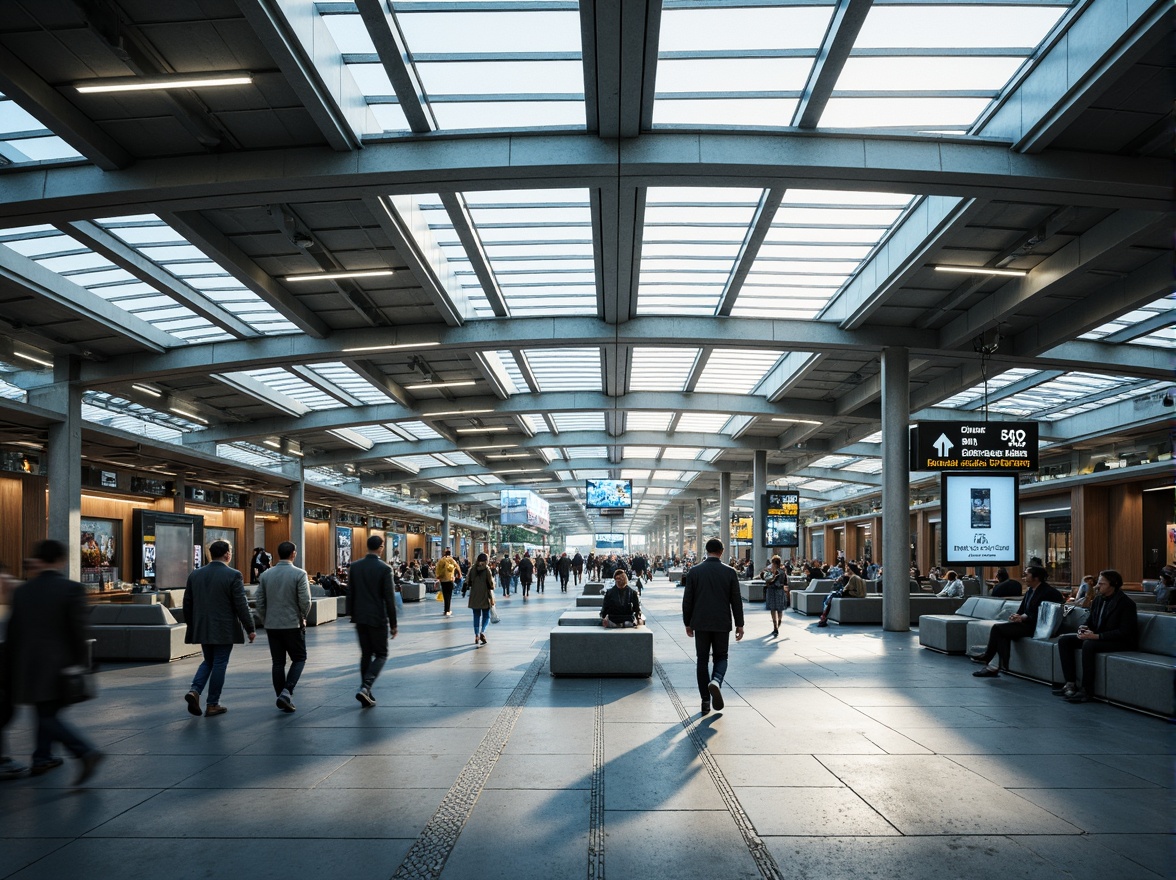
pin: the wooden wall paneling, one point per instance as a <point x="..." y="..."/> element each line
<point x="35" y="511"/>
<point x="359" y="536"/>
<point x="278" y="530"/>
<point x="1089" y="530"/>
<point x="1125" y="511"/>
<point x="12" y="549"/>
<point x="320" y="548"/>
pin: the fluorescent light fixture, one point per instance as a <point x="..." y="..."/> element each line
<point x="798" y="421"/>
<point x="490" y="446"/>
<point x="425" y="386"/>
<point x="352" y="438"/>
<point x="455" y="412"/>
<point x="519" y="471"/>
<point x="1156" y="489"/>
<point x="295" y="452"/>
<point x="272" y="444"/>
<point x="35" y="360"/>
<point x="489" y="429"/>
<point x="147" y="389"/>
<point x="395" y="347"/>
<point x="155" y="83"/>
<point x="509" y="455"/>
<point x="333" y="276"/>
<point x="982" y="270"/>
<point x="188" y="415"/>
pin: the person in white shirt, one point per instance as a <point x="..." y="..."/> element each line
<point x="954" y="588"/>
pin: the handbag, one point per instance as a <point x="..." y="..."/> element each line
<point x="440" y="596"/>
<point x="75" y="684"/>
<point x="494" y="618"/>
<point x="1049" y="620"/>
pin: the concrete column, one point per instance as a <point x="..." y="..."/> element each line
<point x="64" y="458"/>
<point x="298" y="511"/>
<point x="179" y="503"/>
<point x="896" y="482"/>
<point x="682" y="529"/>
<point x="446" y="535"/>
<point x="725" y="510"/>
<point x="699" y="537"/>
<point x="668" y="553"/>
<point x="759" y="485"/>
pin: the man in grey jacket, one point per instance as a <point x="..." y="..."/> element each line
<point x="218" y="617"/>
<point x="709" y="602"/>
<point x="283" y="602"/>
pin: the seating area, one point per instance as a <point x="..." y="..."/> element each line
<point x="138" y="632"/>
<point x="869" y="610"/>
<point x="1143" y="679"/>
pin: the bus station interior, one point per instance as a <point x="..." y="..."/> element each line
<point x="336" y="268"/>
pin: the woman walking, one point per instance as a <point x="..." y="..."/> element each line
<point x="775" y="592"/>
<point x="480" y="582"/>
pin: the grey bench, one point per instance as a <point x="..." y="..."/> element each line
<point x="599" y="652"/>
<point x="948" y="633"/>
<point x="675" y="575"/>
<point x="846" y="610"/>
<point x="322" y="610"/>
<point x="593" y="588"/>
<point x="811" y="599"/>
<point x="590" y="601"/>
<point x="579" y="618"/>
<point x="412" y="592"/>
<point x="138" y="632"/>
<point x="752" y="591"/>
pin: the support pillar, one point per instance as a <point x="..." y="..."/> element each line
<point x="64" y="457"/>
<point x="896" y="484"/>
<point x="298" y="512"/>
<point x="759" y="485"/>
<point x="446" y="536"/>
<point x="699" y="539"/>
<point x="682" y="530"/>
<point x="725" y="510"/>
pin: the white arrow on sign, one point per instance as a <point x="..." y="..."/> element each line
<point x="943" y="445"/>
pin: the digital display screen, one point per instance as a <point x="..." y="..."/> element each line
<point x="522" y="507"/>
<point x="614" y="541"/>
<point x="979" y="519"/>
<point x="608" y="494"/>
<point x="781" y="520"/>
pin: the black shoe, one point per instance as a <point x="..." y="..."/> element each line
<point x="286" y="703"/>
<point x="716" y="693"/>
<point x="90" y="762"/>
<point x="1066" y="690"/>
<point x="364" y="695"/>
<point x="775" y="633"/>
<point x="1079" y="697"/>
<point x="822" y="622"/>
<point x="45" y="766"/>
<point x="986" y="672"/>
<point x="193" y="699"/>
<point x="10" y="769"/>
<point x="705" y="707"/>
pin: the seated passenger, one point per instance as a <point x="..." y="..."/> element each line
<point x="1021" y="623"/>
<point x="954" y="588"/>
<point x="1112" y="626"/>
<point x="1166" y="591"/>
<point x="852" y="587"/>
<point x="1085" y="593"/>
<point x="622" y="606"/>
<point x="1006" y="586"/>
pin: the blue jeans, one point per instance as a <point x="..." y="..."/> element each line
<point x="481" y="618"/>
<point x="216" y="661"/>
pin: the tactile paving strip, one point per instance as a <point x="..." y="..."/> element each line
<point x="429" y="853"/>
<point x="755" y="844"/>
<point x="596" y="815"/>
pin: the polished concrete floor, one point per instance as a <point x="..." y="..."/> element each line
<point x="842" y="752"/>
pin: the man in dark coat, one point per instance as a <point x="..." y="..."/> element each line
<point x="371" y="605"/>
<point x="711" y="599"/>
<point x="563" y="568"/>
<point x="1022" y="623"/>
<point x="218" y="617"/>
<point x="526" y="571"/>
<point x="578" y="567"/>
<point x="1113" y="625"/>
<point x="46" y="634"/>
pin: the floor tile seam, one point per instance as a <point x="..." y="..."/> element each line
<point x="858" y="795"/>
<point x="431" y="849"/>
<point x="1017" y="794"/>
<point x="1016" y="839"/>
<point x="764" y="860"/>
<point x="596" y="834"/>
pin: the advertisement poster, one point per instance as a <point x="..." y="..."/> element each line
<point x="980" y="518"/>
<point x="149" y="556"/>
<point x="781" y="527"/>
<point x="343" y="547"/>
<point x="99" y="550"/>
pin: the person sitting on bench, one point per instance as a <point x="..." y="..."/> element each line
<point x="622" y="606"/>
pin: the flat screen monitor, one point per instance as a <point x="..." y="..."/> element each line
<point x="608" y="494"/>
<point x="610" y="541"/>
<point x="781" y="527"/>
<point x="980" y="515"/>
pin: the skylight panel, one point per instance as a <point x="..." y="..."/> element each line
<point x="565" y="369"/>
<point x="378" y="434"/>
<point x="640" y="452"/>
<point x="456" y="259"/>
<point x="661" y="369"/>
<point x="817" y="241"/>
<point x="686" y="283"/>
<point x="959" y="25"/>
<point x="1130" y="327"/>
<point x="832" y="461"/>
<point x="634" y="474"/>
<point x="680" y="453"/>
<point x="708" y="423"/>
<point x="415" y="463"/>
<point x="565" y="422"/>
<point x="647" y="421"/>
<point x="821" y="485"/>
<point x="24" y="140"/>
<point x="285" y="382"/>
<point x="9" y="391"/>
<point x="248" y="454"/>
<point x="536" y="423"/>
<point x="865" y="466"/>
<point x="976" y="392"/>
<point x="125" y="415"/>
<point x="348" y="380"/>
<point x="419" y="430"/>
<point x="734" y="371"/>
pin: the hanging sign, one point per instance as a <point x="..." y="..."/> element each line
<point x="974" y="446"/>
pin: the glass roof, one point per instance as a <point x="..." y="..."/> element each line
<point x="25" y="141"/>
<point x="710" y="423"/>
<point x="733" y="371"/>
<point x="660" y="369"/>
<point x="565" y="369"/>
<point x="647" y="421"/>
<point x="1152" y="325"/>
<point x="1053" y="397"/>
<point x="285" y="382"/>
<point x="565" y="422"/>
<point x="112" y="411"/>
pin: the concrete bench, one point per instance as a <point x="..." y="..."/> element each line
<point x="138" y="632"/>
<point x="675" y="575"/>
<point x="598" y="652"/>
<point x="948" y="633"/>
<point x="869" y="610"/>
<point x="590" y="601"/>
<point x="811" y="599"/>
<point x="579" y="618"/>
<point x="752" y="591"/>
<point x="340" y="606"/>
<point x="322" y="610"/>
<point x="412" y="592"/>
<point x="594" y="588"/>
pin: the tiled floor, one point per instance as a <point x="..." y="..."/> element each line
<point x="843" y="752"/>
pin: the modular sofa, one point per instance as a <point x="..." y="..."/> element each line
<point x="869" y="610"/>
<point x="138" y="632"/>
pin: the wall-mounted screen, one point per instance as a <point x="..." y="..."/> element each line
<point x="610" y="541"/>
<point x="980" y="516"/>
<point x="781" y="520"/>
<point x="522" y="507"/>
<point x="606" y="494"/>
<point x="740" y="528"/>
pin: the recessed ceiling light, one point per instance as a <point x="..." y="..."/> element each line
<point x="147" y="389"/>
<point x="490" y="446"/>
<point x="798" y="421"/>
<point x="155" y="83"/>
<point x="981" y="270"/>
<point x="332" y="276"/>
<point x="188" y="415"/>
<point x="455" y="412"/>
<point x="425" y="386"/>
<point x="395" y="347"/>
<point x="489" y="429"/>
<point x="35" y="360"/>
